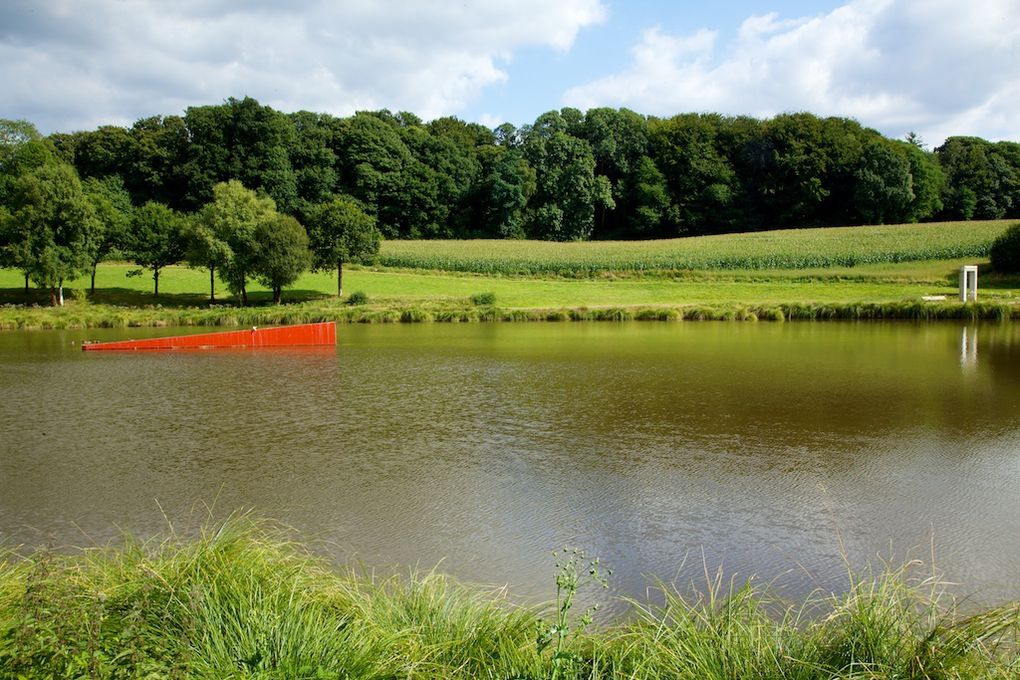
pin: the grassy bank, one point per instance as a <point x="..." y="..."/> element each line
<point x="240" y="602"/>
<point x="83" y="316"/>
<point x="883" y="291"/>
<point x="582" y="281"/>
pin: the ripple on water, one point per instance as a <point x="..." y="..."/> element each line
<point x="776" y="450"/>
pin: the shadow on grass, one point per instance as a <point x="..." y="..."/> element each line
<point x="987" y="277"/>
<point x="17" y="296"/>
<point x="127" y="297"/>
<point x="993" y="280"/>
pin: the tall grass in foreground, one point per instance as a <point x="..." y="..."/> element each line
<point x="781" y="249"/>
<point x="241" y="602"/>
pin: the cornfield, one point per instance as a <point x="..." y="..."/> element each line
<point x="786" y="249"/>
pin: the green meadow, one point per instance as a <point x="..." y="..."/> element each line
<point x="875" y="283"/>
<point x="858" y="272"/>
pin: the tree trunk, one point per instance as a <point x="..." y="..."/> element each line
<point x="53" y="296"/>
<point x="277" y="294"/>
<point x="244" y="295"/>
<point x="155" y="278"/>
<point x="26" y="283"/>
<point x="93" y="286"/>
<point x="60" y="292"/>
<point x="339" y="279"/>
<point x="212" y="284"/>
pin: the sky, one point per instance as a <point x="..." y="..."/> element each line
<point x="934" y="67"/>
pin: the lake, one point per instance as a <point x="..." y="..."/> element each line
<point x="784" y="451"/>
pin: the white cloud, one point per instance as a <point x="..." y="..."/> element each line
<point x="938" y="67"/>
<point x="76" y="65"/>
<point x="491" y="120"/>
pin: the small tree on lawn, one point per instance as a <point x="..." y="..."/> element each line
<point x="205" y="249"/>
<point x="52" y="233"/>
<point x="232" y="217"/>
<point x="282" y="254"/>
<point x="340" y="231"/>
<point x="157" y="238"/>
<point x="112" y="205"/>
<point x="22" y="150"/>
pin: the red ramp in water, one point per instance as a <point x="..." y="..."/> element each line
<point x="302" y="335"/>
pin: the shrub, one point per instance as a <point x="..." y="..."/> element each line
<point x="1005" y="251"/>
<point x="415" y="315"/>
<point x="483" y="299"/>
<point x="357" y="298"/>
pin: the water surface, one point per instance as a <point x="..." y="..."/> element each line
<point x="776" y="450"/>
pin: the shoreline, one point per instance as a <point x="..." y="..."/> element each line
<point x="75" y="316"/>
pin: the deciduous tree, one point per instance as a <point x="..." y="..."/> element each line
<point x="22" y="149"/>
<point x="282" y="253"/>
<point x="884" y="187"/>
<point x="232" y="217"/>
<point x="340" y="231"/>
<point x="206" y="249"/>
<point x="53" y="227"/>
<point x="374" y="164"/>
<point x="563" y="207"/>
<point x="113" y="209"/>
<point x="157" y="238"/>
<point x="505" y="191"/>
<point x="619" y="142"/>
<point x="980" y="182"/>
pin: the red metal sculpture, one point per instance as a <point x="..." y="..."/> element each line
<point x="302" y="335"/>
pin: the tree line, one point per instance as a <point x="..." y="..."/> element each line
<point x="604" y="173"/>
<point x="54" y="226"/>
<point x="570" y="175"/>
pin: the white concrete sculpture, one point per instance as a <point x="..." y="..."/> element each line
<point x="968" y="282"/>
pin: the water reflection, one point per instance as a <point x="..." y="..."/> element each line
<point x="968" y="347"/>
<point x="774" y="449"/>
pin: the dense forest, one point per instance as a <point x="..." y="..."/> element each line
<point x="570" y="175"/>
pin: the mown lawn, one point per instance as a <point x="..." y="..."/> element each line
<point x="180" y="286"/>
<point x="837" y="273"/>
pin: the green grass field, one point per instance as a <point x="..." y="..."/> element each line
<point x="180" y="286"/>
<point x="556" y="280"/>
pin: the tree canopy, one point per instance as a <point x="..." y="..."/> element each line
<point x="112" y="205"/>
<point x="282" y="253"/>
<point x="603" y="173"/>
<point x="232" y="218"/>
<point x="340" y="231"/>
<point x="52" y="232"/>
<point x="157" y="238"/>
